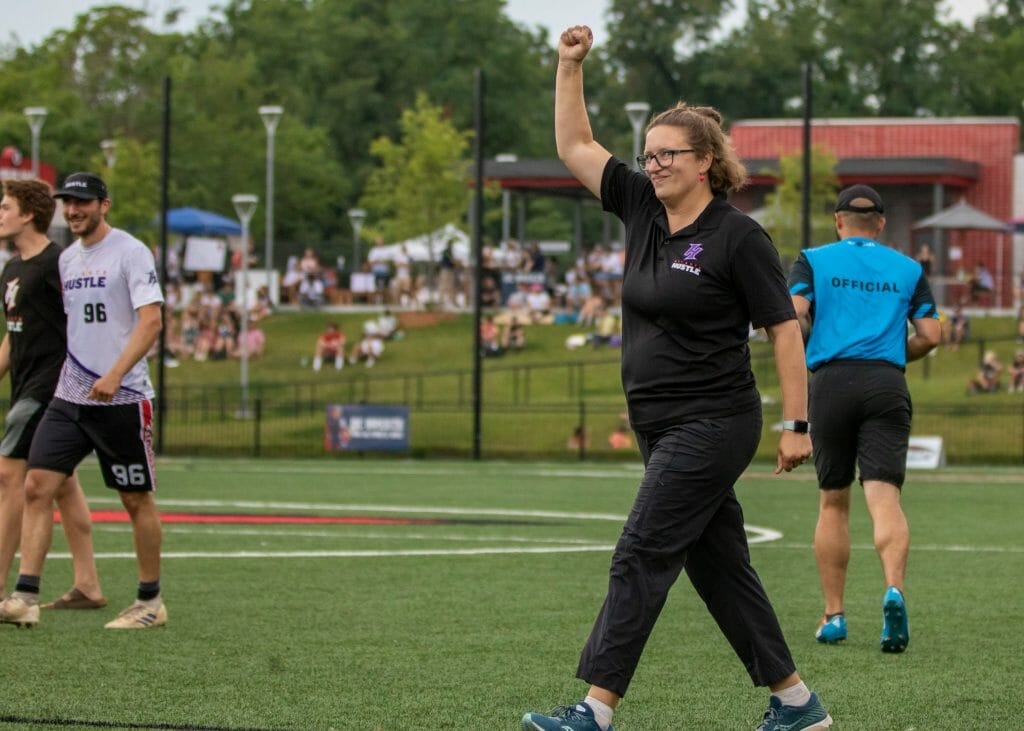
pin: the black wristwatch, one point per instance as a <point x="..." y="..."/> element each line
<point x="798" y="425"/>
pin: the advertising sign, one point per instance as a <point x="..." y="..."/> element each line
<point x="363" y="428"/>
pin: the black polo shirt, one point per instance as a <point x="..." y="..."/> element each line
<point x="688" y="300"/>
<point x="36" y="324"/>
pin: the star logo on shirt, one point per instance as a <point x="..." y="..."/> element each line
<point x="11" y="293"/>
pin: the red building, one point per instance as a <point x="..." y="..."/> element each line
<point x="920" y="167"/>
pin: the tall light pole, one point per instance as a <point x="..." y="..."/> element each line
<point x="356" y="216"/>
<point x="271" y="116"/>
<point x="245" y="206"/>
<point x="109" y="148"/>
<point x="638" y="113"/>
<point x="35" y="116"/>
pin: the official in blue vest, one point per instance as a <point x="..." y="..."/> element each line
<point x="854" y="298"/>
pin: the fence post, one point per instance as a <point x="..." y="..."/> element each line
<point x="583" y="430"/>
<point x="256" y="421"/>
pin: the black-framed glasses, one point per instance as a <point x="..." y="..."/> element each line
<point x="663" y="158"/>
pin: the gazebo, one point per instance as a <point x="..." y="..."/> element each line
<point x="962" y="216"/>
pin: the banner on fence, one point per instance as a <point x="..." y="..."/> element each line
<point x="926" y="453"/>
<point x="360" y="428"/>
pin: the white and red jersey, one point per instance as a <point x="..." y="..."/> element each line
<point x="103" y="285"/>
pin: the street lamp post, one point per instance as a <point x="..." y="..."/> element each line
<point x="35" y="116"/>
<point x="271" y="116"/>
<point x="638" y="113"/>
<point x="356" y="216"/>
<point x="245" y="206"/>
<point x="109" y="148"/>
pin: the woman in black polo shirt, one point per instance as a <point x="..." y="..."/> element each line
<point x="698" y="273"/>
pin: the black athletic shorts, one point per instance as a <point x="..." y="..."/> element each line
<point x="122" y="436"/>
<point x="860" y="414"/>
<point x="19" y="427"/>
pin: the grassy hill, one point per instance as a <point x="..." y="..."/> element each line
<point x="533" y="399"/>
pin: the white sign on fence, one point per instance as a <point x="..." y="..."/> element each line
<point x="926" y="453"/>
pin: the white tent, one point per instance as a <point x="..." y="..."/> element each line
<point x="427" y="247"/>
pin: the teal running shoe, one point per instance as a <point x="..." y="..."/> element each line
<point x="579" y="717"/>
<point x="832" y="630"/>
<point x="895" y="628"/>
<point x="811" y="715"/>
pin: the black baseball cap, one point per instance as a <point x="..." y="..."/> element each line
<point x="84" y="186"/>
<point x="860" y="199"/>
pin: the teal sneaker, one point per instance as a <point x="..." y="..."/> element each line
<point x="811" y="715"/>
<point x="579" y="717"/>
<point x="895" y="628"/>
<point x="832" y="630"/>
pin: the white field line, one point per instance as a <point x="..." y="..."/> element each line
<point x="756" y="535"/>
<point x="629" y="470"/>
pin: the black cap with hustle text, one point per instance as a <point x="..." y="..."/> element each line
<point x="871" y="202"/>
<point x="86" y="186"/>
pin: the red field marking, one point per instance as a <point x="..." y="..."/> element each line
<point x="120" y="516"/>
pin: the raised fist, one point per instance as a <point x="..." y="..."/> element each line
<point x="575" y="43"/>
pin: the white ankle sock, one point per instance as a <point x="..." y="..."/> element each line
<point x="602" y="712"/>
<point x="794" y="695"/>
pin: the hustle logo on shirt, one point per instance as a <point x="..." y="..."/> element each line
<point x="689" y="263"/>
<point x="88" y="280"/>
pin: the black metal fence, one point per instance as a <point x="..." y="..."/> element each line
<point x="569" y="412"/>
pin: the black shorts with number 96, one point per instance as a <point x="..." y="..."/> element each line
<point x="122" y="436"/>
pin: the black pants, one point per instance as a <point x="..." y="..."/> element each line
<point x="686" y="515"/>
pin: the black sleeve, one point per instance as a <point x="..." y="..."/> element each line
<point x="623" y="190"/>
<point x="801" y="278"/>
<point x="922" y="304"/>
<point x="760" y="280"/>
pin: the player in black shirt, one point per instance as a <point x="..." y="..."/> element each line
<point x="698" y="273"/>
<point x="32" y="352"/>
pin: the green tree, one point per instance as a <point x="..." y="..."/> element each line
<point x="983" y="64"/>
<point x="134" y="184"/>
<point x="419" y="184"/>
<point x="783" y="219"/>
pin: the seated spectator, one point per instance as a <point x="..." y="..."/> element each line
<point x="590" y="310"/>
<point x="490" y="288"/>
<point x="310" y="262"/>
<point x="262" y="306"/>
<point x="490" y="340"/>
<point x="608" y="331"/>
<point x="330" y="346"/>
<point x="981" y="281"/>
<point x="579" y="439"/>
<point x="368" y="350"/>
<point x="959" y="328"/>
<point x="538" y="303"/>
<point x="189" y="329"/>
<point x="311" y="291"/>
<point x="401" y="285"/>
<point x="386" y="326"/>
<point x="578" y="290"/>
<point x="989" y="375"/>
<point x="514" y="337"/>
<point x="1017" y="372"/>
<point x="621" y="438"/>
<point x="291" y="280"/>
<point x="255" y="341"/>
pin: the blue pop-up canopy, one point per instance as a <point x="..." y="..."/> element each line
<point x="194" y="221"/>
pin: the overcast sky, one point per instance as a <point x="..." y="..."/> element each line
<point x="30" y="21"/>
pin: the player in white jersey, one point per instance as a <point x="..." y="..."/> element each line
<point x="32" y="353"/>
<point x="114" y="304"/>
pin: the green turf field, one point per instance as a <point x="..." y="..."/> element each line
<point x="458" y="595"/>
